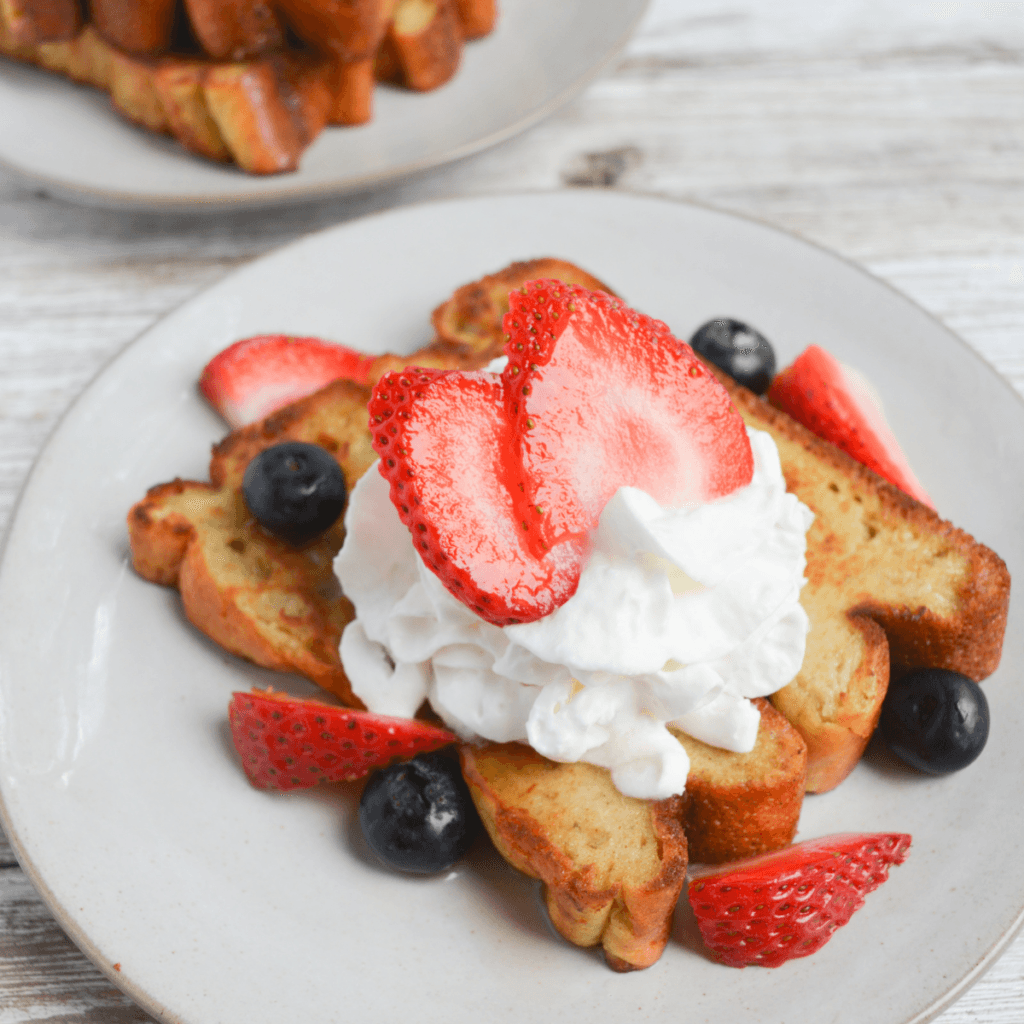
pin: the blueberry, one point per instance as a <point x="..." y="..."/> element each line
<point x="745" y="354"/>
<point x="935" y="720"/>
<point x="295" y="490"/>
<point x="419" y="816"/>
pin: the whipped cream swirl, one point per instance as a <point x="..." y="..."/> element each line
<point x="681" y="616"/>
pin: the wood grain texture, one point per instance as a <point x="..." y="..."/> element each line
<point x="893" y="134"/>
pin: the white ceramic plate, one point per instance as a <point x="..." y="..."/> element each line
<point x="541" y="54"/>
<point x="118" y="785"/>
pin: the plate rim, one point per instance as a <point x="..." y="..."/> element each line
<point x="150" y="1004"/>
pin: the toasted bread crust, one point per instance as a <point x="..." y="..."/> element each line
<point x="888" y="581"/>
<point x="255" y="595"/>
<point x="740" y="805"/>
<point x="470" y="321"/>
<point x="334" y="418"/>
<point x="544" y="819"/>
<point x="179" y="84"/>
<point x="160" y="536"/>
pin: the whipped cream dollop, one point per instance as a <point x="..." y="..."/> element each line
<point x="681" y="616"/>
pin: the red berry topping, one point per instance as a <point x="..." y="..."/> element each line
<point x="257" y="376"/>
<point x="449" y="453"/>
<point x="603" y="397"/>
<point x="286" y="743"/>
<point x="773" y="908"/>
<point x="818" y="393"/>
<point x="501" y="480"/>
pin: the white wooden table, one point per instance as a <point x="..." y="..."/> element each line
<point x="894" y="137"/>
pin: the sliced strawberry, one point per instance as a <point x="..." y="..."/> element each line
<point x="837" y="406"/>
<point x="257" y="376"/>
<point x="501" y="480"/>
<point x="449" y="453"/>
<point x="285" y="743"/>
<point x="604" y="397"/>
<point x="773" y="908"/>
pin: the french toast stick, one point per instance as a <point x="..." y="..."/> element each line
<point x="234" y="30"/>
<point x="423" y="45"/>
<point x="268" y="111"/>
<point x="179" y="84"/>
<point x="260" y="114"/>
<point x="612" y="866"/>
<point x="348" y="30"/>
<point x="142" y="27"/>
<point x="352" y="84"/>
<point x="568" y="825"/>
<point x="30" y="22"/>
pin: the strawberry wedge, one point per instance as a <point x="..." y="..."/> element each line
<point x="501" y="480"/>
<point x="818" y="392"/>
<point x="779" y="906"/>
<point x="257" y="376"/>
<point x="286" y="743"/>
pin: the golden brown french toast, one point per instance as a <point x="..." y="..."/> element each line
<point x="268" y="110"/>
<point x="233" y="30"/>
<point x="347" y="29"/>
<point x="30" y="22"/>
<point x="885" y="577"/>
<point x="740" y="805"/>
<point x="470" y="321"/>
<point x="261" y="114"/>
<point x="612" y="866"/>
<point x="257" y="596"/>
<point x="423" y="44"/>
<point x="888" y="582"/>
<point x="142" y="27"/>
<point x="179" y="84"/>
<point x="254" y="595"/>
<point x="248" y="81"/>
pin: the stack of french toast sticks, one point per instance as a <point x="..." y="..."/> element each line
<point x="248" y="81"/>
<point x="890" y="586"/>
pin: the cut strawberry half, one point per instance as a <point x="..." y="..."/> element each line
<point x="773" y="908"/>
<point x="501" y="480"/>
<point x="602" y="397"/>
<point x="837" y="405"/>
<point x="257" y="376"/>
<point x="286" y="743"/>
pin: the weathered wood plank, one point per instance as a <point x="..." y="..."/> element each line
<point x="43" y="976"/>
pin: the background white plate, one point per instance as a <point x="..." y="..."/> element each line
<point x="541" y="54"/>
<point x="118" y="786"/>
